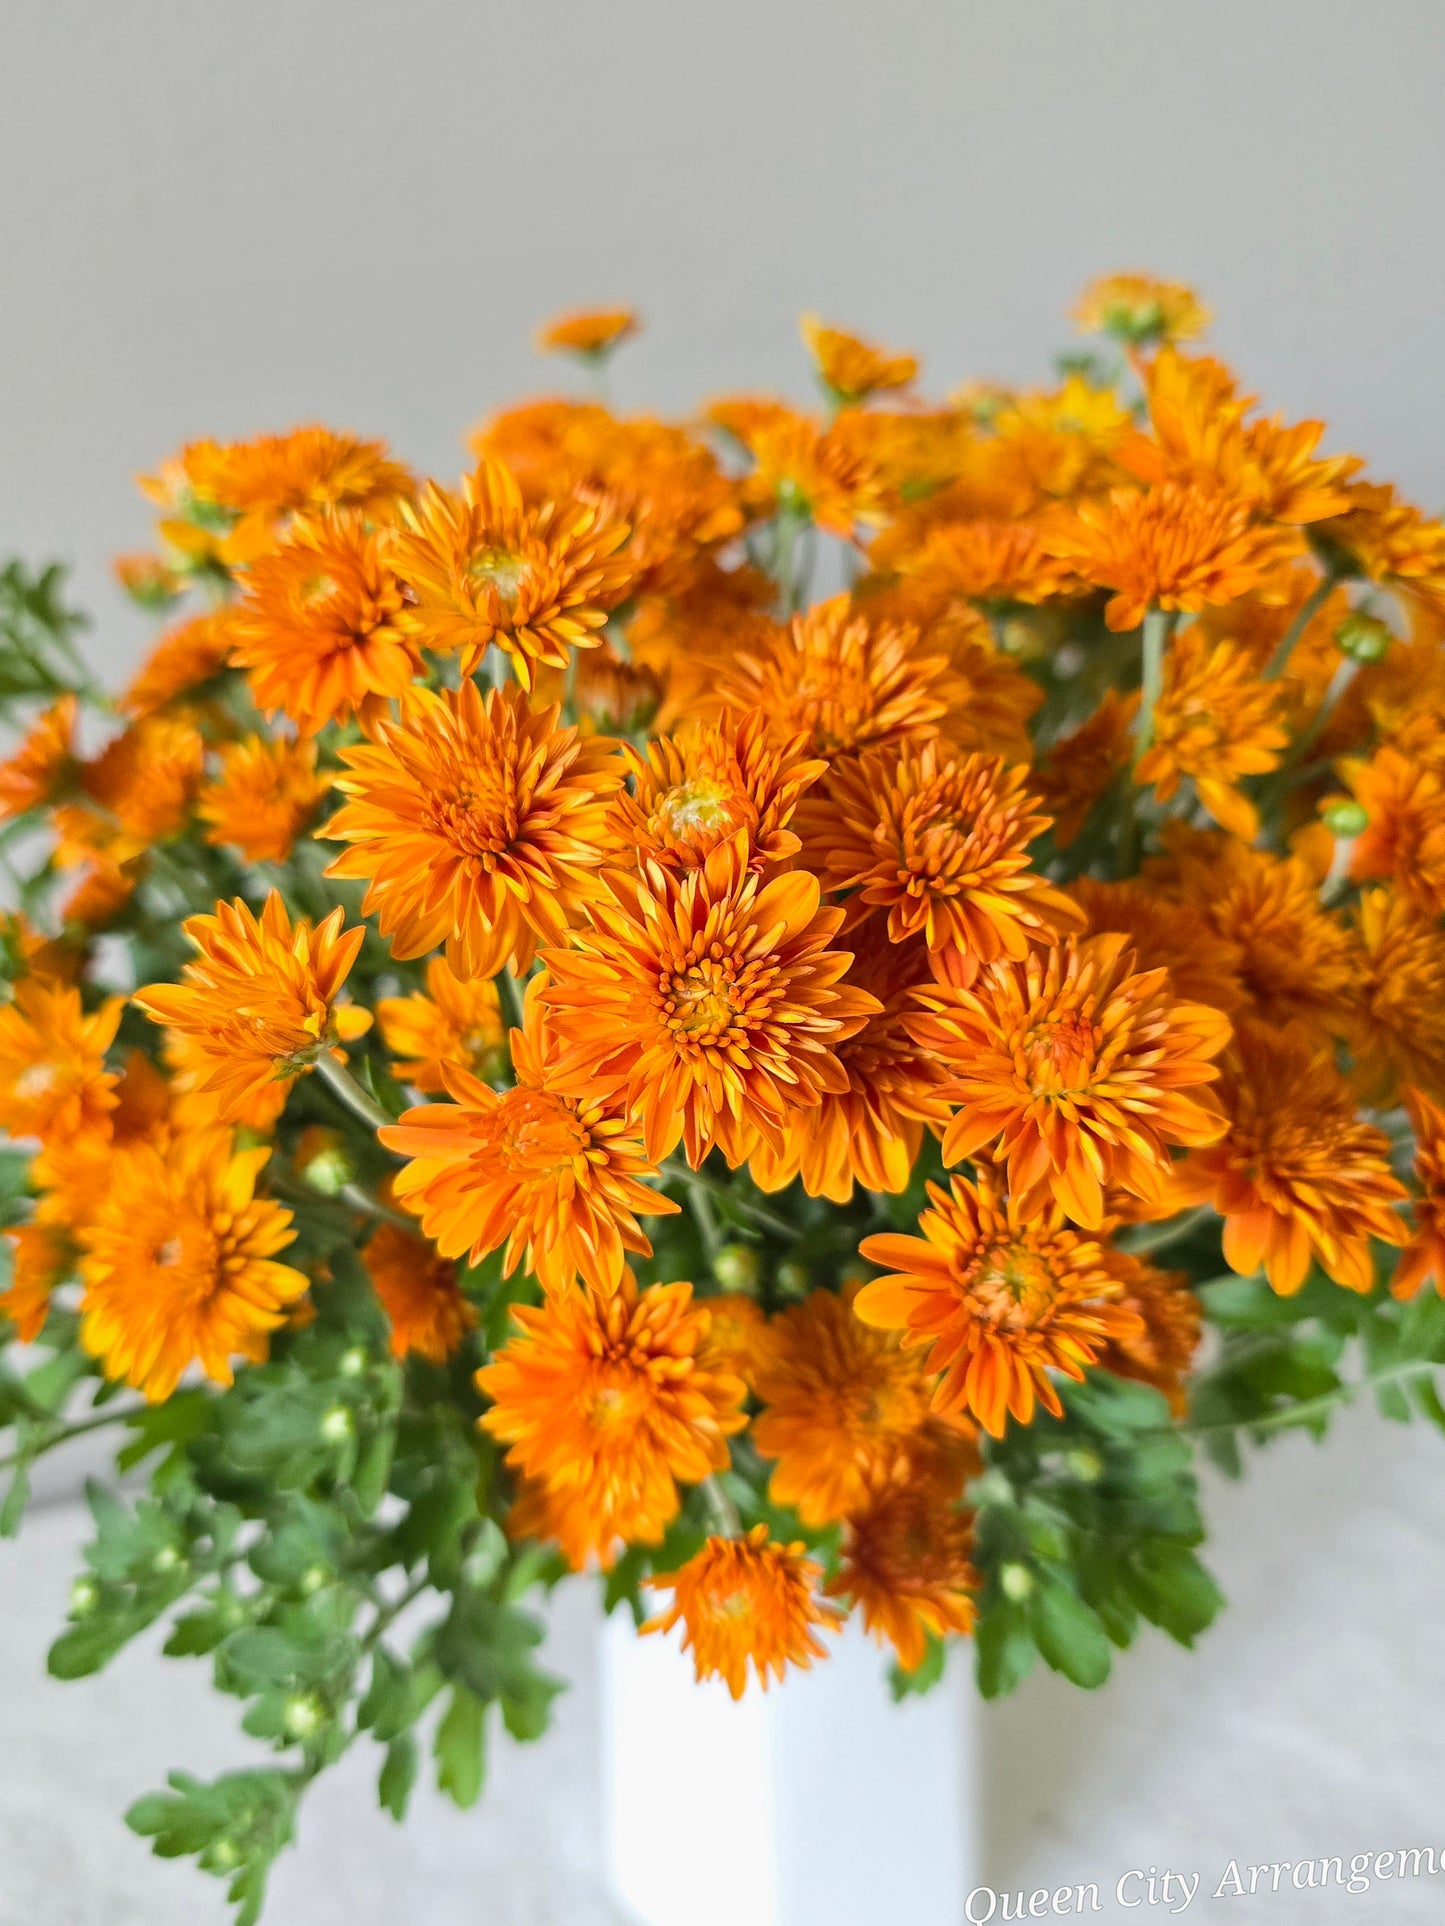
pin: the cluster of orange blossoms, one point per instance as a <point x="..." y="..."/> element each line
<point x="1085" y="855"/>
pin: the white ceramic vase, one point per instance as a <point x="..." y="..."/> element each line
<point x="817" y="1803"/>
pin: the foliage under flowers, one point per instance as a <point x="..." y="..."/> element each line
<point x="1007" y="988"/>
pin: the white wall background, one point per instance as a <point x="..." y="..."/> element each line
<point x="222" y="218"/>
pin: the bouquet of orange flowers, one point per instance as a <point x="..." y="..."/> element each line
<point x="1006" y="979"/>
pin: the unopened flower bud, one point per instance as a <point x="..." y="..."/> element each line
<point x="353" y="1362"/>
<point x="313" y="1578"/>
<point x="1085" y="1465"/>
<point x="1015" y="1582"/>
<point x="324" y="1161"/>
<point x="304" y="1715"/>
<point x="792" y="1278"/>
<point x="337" y="1425"/>
<point x="736" y="1268"/>
<point x="1363" y="638"/>
<point x="84" y="1597"/>
<point x="1345" y="817"/>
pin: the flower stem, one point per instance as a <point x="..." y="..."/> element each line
<point x="512" y="999"/>
<point x="676" y="1172"/>
<point x="1156" y="1237"/>
<point x="68" y="1431"/>
<point x="724" y="1512"/>
<point x="344" y="1086"/>
<point x="1314" y="1407"/>
<point x="1157" y="625"/>
<point x="1308" y="610"/>
<point x="369" y="1206"/>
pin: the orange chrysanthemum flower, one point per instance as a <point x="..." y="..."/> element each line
<point x="267" y="790"/>
<point x="1000" y="1293"/>
<point x="1215" y="721"/>
<point x="259" y="1004"/>
<point x="1405" y="836"/>
<point x="906" y="1559"/>
<point x="737" y="1337"/>
<point x="319" y="631"/>
<point x="40" y="1258"/>
<point x="941" y="843"/>
<point x="180" y="1265"/>
<point x="457" y="1022"/>
<point x="823" y="475"/>
<point x="1161" y="1349"/>
<point x="38" y="767"/>
<point x="53" y="1080"/>
<point x="1080" y="1069"/>
<point x="199" y="1107"/>
<point x="1396" y="1016"/>
<point x="1297" y="1174"/>
<point x="869" y="1133"/>
<point x="1060" y="445"/>
<point x="1389" y="542"/>
<point x="702" y="786"/>
<point x="1171" y="547"/>
<point x="842" y="1404"/>
<point x="558" y="1180"/>
<point x="847" y="682"/>
<point x="418" y="1292"/>
<point x="76" y="1174"/>
<point x="1166" y="934"/>
<point x="184" y="658"/>
<point x="589" y="332"/>
<point x="1140" y="308"/>
<point x="479" y="824"/>
<point x="711" y="1003"/>
<point x="151" y="583"/>
<point x="605" y="1402"/>
<point x="852" y="369"/>
<point x="145" y="782"/>
<point x="982" y="561"/>
<point x="1297" y="960"/>
<point x="1081" y="766"/>
<point x="746" y="1601"/>
<point x="1422" y="1261"/>
<point x="484" y="568"/>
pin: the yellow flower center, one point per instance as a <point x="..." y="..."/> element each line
<point x="703" y="1003"/>
<point x="703" y="807"/>
<point x="500" y="570"/>
<point x="535" y="1134"/>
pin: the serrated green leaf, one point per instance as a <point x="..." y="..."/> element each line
<point x="1173" y="1590"/>
<point x="1004" y="1650"/>
<point x="1069" y="1635"/>
<point x="398" y="1776"/>
<point x="460" y="1747"/>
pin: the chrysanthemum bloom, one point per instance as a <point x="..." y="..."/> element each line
<point x="1161" y="1350"/>
<point x="53" y="1079"/>
<point x="999" y="1292"/>
<point x="150" y="582"/>
<point x="941" y="843"/>
<point x="264" y="480"/>
<point x="1081" y="765"/>
<point x="180" y="1265"/>
<point x="418" y="1292"/>
<point x="589" y="332"/>
<point x="145" y="781"/>
<point x="1171" y="547"/>
<point x="37" y="768"/>
<point x="689" y="636"/>
<point x="710" y="1003"/>
<point x="319" y="631"/>
<point x="1297" y="1175"/>
<point x="604" y="1401"/>
<point x="1061" y="444"/>
<point x="819" y="475"/>
<point x="40" y="1257"/>
<point x="842" y="1404"/>
<point x="1390" y="542"/>
<point x="1422" y="1261"/>
<point x="484" y="568"/>
<point x="259" y="1003"/>
<point x="1140" y="308"/>
<point x="1395" y="1022"/>
<point x="869" y="1133"/>
<point x="1082" y="1070"/>
<point x="1296" y="959"/>
<point x="458" y="1022"/>
<point x="266" y="791"/>
<point x="74" y="1175"/>
<point x="479" y="824"/>
<point x="698" y="788"/>
<point x="185" y="657"/>
<point x="852" y="369"/>
<point x="905" y="1560"/>
<point x="847" y="682"/>
<point x="984" y="561"/>
<point x="1166" y="934"/>
<point x="560" y="1181"/>
<point x="1201" y="436"/>
<point x="1215" y="721"/>
<point x="737" y="1336"/>
<point x="744" y="1601"/>
<point x="1405" y="837"/>
<point x="198" y="1106"/>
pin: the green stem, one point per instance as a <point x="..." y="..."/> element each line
<point x="369" y="1206"/>
<point x="1157" y="625"/>
<point x="1308" y="610"/>
<point x="1314" y="1407"/>
<point x="387" y="1615"/>
<point x="344" y="1086"/>
<point x="1156" y="1237"/>
<point x="674" y="1171"/>
<point x="723" y="1511"/>
<point x="512" y="998"/>
<point x="700" y="1205"/>
<point x="69" y="1431"/>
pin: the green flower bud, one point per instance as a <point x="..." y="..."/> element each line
<point x="1085" y="1465"/>
<point x="330" y="1170"/>
<point x="1363" y="638"/>
<point x="1345" y="817"/>
<point x="736" y="1268"/>
<point x="166" y="1559"/>
<point x="84" y="1597"/>
<point x="338" y="1425"/>
<point x="304" y="1715"/>
<point x="353" y="1362"/>
<point x="792" y="1278"/>
<point x="1015" y="1582"/>
<point x="313" y="1578"/>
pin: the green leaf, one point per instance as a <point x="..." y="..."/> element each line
<point x="460" y="1747"/>
<point x="1005" y="1649"/>
<point x="1069" y="1635"/>
<point x="1173" y="1590"/>
<point x="16" y="1499"/>
<point x="924" y="1676"/>
<point x="398" y="1776"/>
<point x="94" y="1642"/>
<point x="182" y="1418"/>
